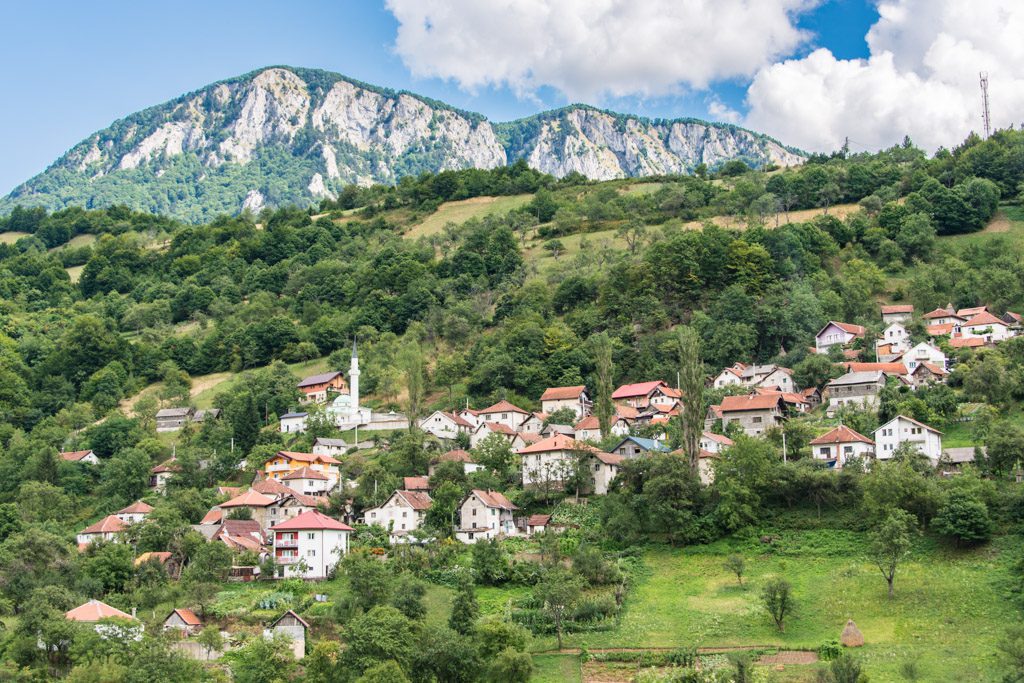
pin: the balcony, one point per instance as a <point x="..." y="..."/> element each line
<point x="290" y="559"/>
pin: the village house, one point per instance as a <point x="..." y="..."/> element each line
<point x="902" y="429"/>
<point x="94" y="611"/>
<point x="971" y="311"/>
<point x="855" y="388"/>
<point x="953" y="460"/>
<point x="402" y="514"/>
<point x="504" y="413"/>
<point x="636" y="446"/>
<point x="485" y="429"/>
<point x="294" y="628"/>
<point x="416" y="483"/>
<point x="548" y="461"/>
<point x="897" y="313"/>
<point x="925" y="352"/>
<point x="642" y="394"/>
<point x="293" y="504"/>
<point x="812" y="395"/>
<point x="172" y="419"/>
<point x="458" y="455"/>
<point x="714" y="443"/>
<point x="836" y="334"/>
<point x="318" y="388"/>
<point x="927" y="373"/>
<point x="286" y="462"/>
<point x="575" y="398"/>
<point x="293" y="423"/>
<point x="755" y="413"/>
<point x="589" y="428"/>
<point x="86" y="457"/>
<point x="160" y="474"/>
<point x="534" y="424"/>
<point x="768" y="376"/>
<point x="484" y="515"/>
<point x="308" y="482"/>
<point x="705" y="464"/>
<point x="106" y="529"/>
<point x="163" y="558"/>
<point x="551" y="429"/>
<point x="985" y="326"/>
<point x="183" y="621"/>
<point x="838" y="445"/>
<point x="256" y="503"/>
<point x="309" y="545"/>
<point x="966" y="342"/>
<point x="729" y="377"/>
<point x="895" y="340"/>
<point x="891" y="369"/>
<point x="134" y="513"/>
<point x="942" y="316"/>
<point x="332" y="447"/>
<point x="445" y="425"/>
<point x="206" y="414"/>
<point x="604" y="467"/>
<point x="536" y="524"/>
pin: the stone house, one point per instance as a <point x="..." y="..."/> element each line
<point x="755" y="413"/>
<point x="855" y="388"/>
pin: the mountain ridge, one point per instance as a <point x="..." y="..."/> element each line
<point x="293" y="135"/>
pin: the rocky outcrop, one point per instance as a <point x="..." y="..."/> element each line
<point x="284" y="135"/>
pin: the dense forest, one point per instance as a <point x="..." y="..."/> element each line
<point x="501" y="306"/>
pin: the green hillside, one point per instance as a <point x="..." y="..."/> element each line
<point x="470" y="287"/>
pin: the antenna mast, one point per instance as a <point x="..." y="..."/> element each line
<point x="986" y="120"/>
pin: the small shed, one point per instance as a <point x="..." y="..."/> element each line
<point x="184" y="620"/>
<point x="851" y="637"/>
<point x="295" y="627"/>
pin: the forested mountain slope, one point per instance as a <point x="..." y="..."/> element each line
<point x="284" y="135"/>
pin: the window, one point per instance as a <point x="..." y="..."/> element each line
<point x="311" y="553"/>
<point x="311" y="535"/>
<point x="756" y="420"/>
<point x="404" y="515"/>
<point x="474" y="512"/>
<point x="824" y="450"/>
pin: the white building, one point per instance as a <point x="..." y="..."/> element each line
<point x="294" y="423"/>
<point x="332" y="447"/>
<point x="503" y="413"/>
<point x="574" y="398"/>
<point x="860" y="388"/>
<point x="484" y="515"/>
<point x="902" y="429"/>
<point x="308" y="482"/>
<point x="897" y="313"/>
<point x="730" y="377"/>
<point x="942" y="316"/>
<point x="924" y="352"/>
<point x="106" y="529"/>
<point x="134" y="513"/>
<point x="402" y="514"/>
<point x="896" y="337"/>
<point x="87" y="457"/>
<point x="309" y="545"/>
<point x="836" y="333"/>
<point x="986" y="326"/>
<point x="714" y="443"/>
<point x="445" y="425"/>
<point x="840" y="444"/>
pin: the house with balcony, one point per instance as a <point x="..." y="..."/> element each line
<point x="855" y="389"/>
<point x="925" y="352"/>
<point x="503" y="413"/>
<point x="318" y="388"/>
<point x="309" y="546"/>
<point x="839" y="445"/>
<point x="285" y="462"/>
<point x="445" y="425"/>
<point x="837" y="334"/>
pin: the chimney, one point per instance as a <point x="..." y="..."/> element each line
<point x="133" y="612"/>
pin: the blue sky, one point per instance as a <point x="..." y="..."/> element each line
<point x="72" y="68"/>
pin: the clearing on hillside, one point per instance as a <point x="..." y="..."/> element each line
<point x="12" y="237"/>
<point x="461" y="211"/>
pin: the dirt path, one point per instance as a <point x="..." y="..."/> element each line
<point x="999" y="223"/>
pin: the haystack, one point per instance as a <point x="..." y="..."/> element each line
<point x="852" y="637"/>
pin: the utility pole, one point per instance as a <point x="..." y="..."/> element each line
<point x="985" y="118"/>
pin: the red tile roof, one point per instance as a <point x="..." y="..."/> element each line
<point x="966" y="342"/>
<point x="939" y="313"/>
<point x="942" y="330"/>
<point x="214" y="516"/>
<point x="972" y="310"/>
<point x="457" y="419"/>
<point x="935" y="369"/>
<point x="538" y="520"/>
<point x="136" y="508"/>
<point x="627" y="412"/>
<point x="529" y="437"/>
<point x="840" y="434"/>
<point x="312" y="519"/>
<point x="638" y="389"/>
<point x="108" y="525"/>
<point x="159" y="556"/>
<point x="558" y="442"/>
<point x="889" y="368"/>
<point x="589" y="422"/>
<point x="74" y="456"/>
<point x="724" y="440"/>
<point x="457" y="455"/>
<point x="562" y="393"/>
<point x="748" y="402"/>
<point x="897" y="308"/>
<point x="271" y="487"/>
<point x="416" y="483"/>
<point x="494" y="499"/>
<point x="417" y="500"/>
<point x="250" y="498"/>
<point x="500" y="428"/>
<point x="849" y="328"/>
<point x="93" y="611"/>
<point x="322" y="378"/>
<point x="187" y="615"/>
<point x="985" y="318"/>
<point x="305" y="473"/>
<point x="609" y="458"/>
<point x="503" y="407"/>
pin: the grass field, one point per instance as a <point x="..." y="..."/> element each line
<point x="948" y="613"/>
<point x="12" y="237"/>
<point x="1006" y="226"/>
<point x="461" y="211"/>
<point x="75" y="273"/>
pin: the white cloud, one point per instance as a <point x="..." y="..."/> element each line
<point x="720" y="111"/>
<point x="920" y="80"/>
<point x="588" y="49"/>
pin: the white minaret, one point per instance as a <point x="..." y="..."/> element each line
<point x="353" y="380"/>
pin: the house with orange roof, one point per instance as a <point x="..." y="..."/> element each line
<point x="513" y="437"/>
<point x="642" y="394"/>
<point x="183" y="621"/>
<point x="285" y="462"/>
<point x="503" y="413"/>
<point x="837" y="334"/>
<point x="549" y="462"/>
<point x="107" y="529"/>
<point x="943" y="316"/>
<point x="95" y="611"/>
<point x="256" y="503"/>
<point x="895" y="340"/>
<point x="731" y="376"/>
<point x="891" y="369"/>
<point x="589" y="428"/>
<point x="754" y="413"/>
<point x="897" y="313"/>
<point x="534" y="424"/>
<point x="928" y="373"/>
<point x="966" y="342"/>
<point x="445" y="425"/>
<point x="714" y="443"/>
<point x="901" y="429"/>
<point x="134" y="513"/>
<point x="308" y="482"/>
<point x="484" y="515"/>
<point x="925" y="352"/>
<point x="985" y="326"/>
<point x="310" y="545"/>
<point x="574" y="398"/>
<point x="160" y="474"/>
<point x="402" y="514"/>
<point x="838" y="445"/>
<point x="85" y="457"/>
